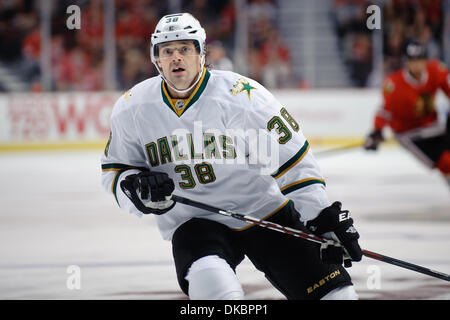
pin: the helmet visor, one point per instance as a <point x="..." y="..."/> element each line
<point x="185" y="48"/>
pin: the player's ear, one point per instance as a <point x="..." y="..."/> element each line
<point x="158" y="63"/>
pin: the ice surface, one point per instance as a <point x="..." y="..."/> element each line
<point x="55" y="214"/>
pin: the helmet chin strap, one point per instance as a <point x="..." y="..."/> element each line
<point x="172" y="86"/>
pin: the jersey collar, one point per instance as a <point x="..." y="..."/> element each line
<point x="179" y="106"/>
<point x="414" y="82"/>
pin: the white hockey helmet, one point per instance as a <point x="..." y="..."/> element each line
<point x="174" y="27"/>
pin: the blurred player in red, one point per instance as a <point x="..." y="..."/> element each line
<point x="409" y="110"/>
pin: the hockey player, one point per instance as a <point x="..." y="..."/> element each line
<point x="174" y="134"/>
<point x="409" y="110"/>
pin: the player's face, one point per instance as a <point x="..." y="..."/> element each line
<point x="180" y="63"/>
<point x="416" y="67"/>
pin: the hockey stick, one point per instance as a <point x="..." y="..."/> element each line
<point x="340" y="149"/>
<point x="309" y="237"/>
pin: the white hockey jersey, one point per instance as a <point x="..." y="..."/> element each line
<point x="231" y="145"/>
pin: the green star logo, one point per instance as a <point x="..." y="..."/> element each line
<point x="247" y="87"/>
<point x="242" y="85"/>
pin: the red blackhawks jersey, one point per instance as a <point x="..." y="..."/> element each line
<point x="409" y="103"/>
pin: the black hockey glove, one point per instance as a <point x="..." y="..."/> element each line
<point x="336" y="224"/>
<point x="373" y="140"/>
<point x="149" y="191"/>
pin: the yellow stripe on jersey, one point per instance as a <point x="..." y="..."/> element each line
<point x="172" y="103"/>
<point x="300" y="184"/>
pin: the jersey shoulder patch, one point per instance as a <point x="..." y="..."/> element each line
<point x="388" y="85"/>
<point x="242" y="85"/>
<point x="127" y="94"/>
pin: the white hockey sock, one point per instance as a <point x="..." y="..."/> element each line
<point x="211" y="278"/>
<point x="341" y="293"/>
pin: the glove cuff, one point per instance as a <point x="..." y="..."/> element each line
<point x="130" y="191"/>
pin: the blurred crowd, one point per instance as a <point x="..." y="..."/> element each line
<point x="19" y="38"/>
<point x="402" y="20"/>
<point x="405" y="20"/>
<point x="269" y="57"/>
<point x="77" y="56"/>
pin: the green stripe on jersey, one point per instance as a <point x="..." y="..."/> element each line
<point x="292" y="161"/>
<point x="301" y="184"/>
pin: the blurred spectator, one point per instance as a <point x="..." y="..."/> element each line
<point x="275" y="60"/>
<point x="224" y="30"/>
<point x="217" y="18"/>
<point x="354" y="39"/>
<point x="217" y="57"/>
<point x="205" y="13"/>
<point x="433" y="48"/>
<point x="261" y="10"/>
<point x="269" y="59"/>
<point x="133" y="70"/>
<point x="91" y="37"/>
<point x="68" y="71"/>
<point x="361" y="60"/>
<point x="261" y="19"/>
<point x="350" y="16"/>
<point x="393" y="52"/>
<point x="31" y="50"/>
<point x="19" y="43"/>
<point x="16" y="20"/>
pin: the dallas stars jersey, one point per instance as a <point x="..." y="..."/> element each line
<point x="231" y="145"/>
